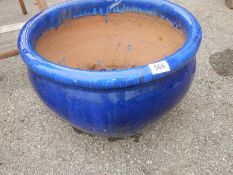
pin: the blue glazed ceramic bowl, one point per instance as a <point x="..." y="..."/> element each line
<point x="115" y="103"/>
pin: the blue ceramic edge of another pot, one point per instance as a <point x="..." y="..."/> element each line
<point x="116" y="78"/>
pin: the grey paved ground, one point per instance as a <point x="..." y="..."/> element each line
<point x="195" y="138"/>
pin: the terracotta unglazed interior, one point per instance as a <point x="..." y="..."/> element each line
<point x="115" y="41"/>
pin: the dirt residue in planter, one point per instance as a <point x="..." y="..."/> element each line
<point x="117" y="41"/>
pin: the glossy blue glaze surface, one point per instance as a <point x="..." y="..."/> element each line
<point x="112" y="103"/>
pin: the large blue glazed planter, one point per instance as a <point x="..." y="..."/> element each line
<point x="115" y="103"/>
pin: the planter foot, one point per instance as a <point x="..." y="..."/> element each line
<point x="229" y="3"/>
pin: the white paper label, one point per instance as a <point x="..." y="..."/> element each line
<point x="159" y="67"/>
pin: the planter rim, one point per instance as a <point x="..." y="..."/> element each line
<point x="115" y="78"/>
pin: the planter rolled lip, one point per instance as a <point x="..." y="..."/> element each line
<point x="112" y="79"/>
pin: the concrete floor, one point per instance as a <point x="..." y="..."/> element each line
<point x="194" y="138"/>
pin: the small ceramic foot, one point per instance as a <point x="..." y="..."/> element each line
<point x="136" y="138"/>
<point x="229" y="3"/>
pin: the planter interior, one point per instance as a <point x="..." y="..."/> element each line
<point x="114" y="41"/>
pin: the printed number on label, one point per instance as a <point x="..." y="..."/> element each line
<point x="159" y="67"/>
